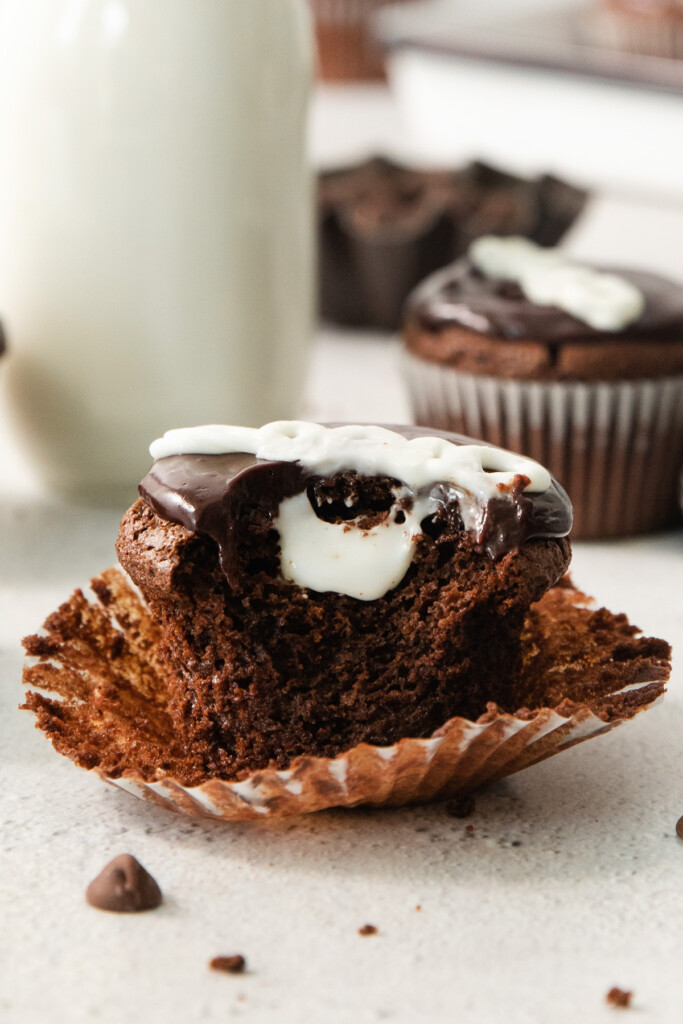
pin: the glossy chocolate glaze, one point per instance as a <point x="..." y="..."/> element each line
<point x="208" y="493"/>
<point x="460" y="296"/>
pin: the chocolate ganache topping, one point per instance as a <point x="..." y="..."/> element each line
<point x="208" y="493"/>
<point x="462" y="296"/>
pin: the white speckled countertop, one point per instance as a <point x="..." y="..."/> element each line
<point x="571" y="881"/>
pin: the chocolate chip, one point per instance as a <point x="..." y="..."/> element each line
<point x="228" y="964"/>
<point x="124" y="887"/>
<point x="617" y="997"/>
<point x="679" y="828"/>
<point x="367" y="929"/>
<point x="461" y="807"/>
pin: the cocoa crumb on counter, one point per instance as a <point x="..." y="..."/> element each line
<point x="618" y="997"/>
<point x="228" y="964"/>
<point x="461" y="807"/>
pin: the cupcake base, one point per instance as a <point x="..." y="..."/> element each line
<point x="103" y="705"/>
<point x="616" y="448"/>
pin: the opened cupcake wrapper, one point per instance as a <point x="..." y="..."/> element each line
<point x="100" y="695"/>
<point x="626" y="434"/>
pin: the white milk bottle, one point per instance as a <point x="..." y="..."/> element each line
<point x="155" y="224"/>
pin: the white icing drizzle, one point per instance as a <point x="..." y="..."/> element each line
<point x="341" y="557"/>
<point x="547" y="277"/>
<point x="476" y="469"/>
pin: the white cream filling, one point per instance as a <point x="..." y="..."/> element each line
<point x="364" y="564"/>
<point x="342" y="557"/>
<point x="604" y="301"/>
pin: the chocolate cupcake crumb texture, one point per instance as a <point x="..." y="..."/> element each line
<point x="124" y="887"/>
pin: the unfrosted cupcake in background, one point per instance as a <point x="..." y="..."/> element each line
<point x="578" y="367"/>
<point x="649" y="27"/>
<point x="347" y="50"/>
<point x="383" y="226"/>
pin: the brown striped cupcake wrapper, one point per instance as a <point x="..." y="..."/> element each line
<point x="101" y="695"/>
<point x="617" y="448"/>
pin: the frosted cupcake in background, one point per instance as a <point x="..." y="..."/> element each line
<point x="649" y="27"/>
<point x="347" y="50"/>
<point x="576" y="366"/>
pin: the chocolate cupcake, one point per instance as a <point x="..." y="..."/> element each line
<point x="581" y="368"/>
<point x="337" y="586"/>
<point x="322" y="608"/>
<point x="383" y="227"/>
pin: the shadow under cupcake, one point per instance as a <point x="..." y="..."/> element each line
<point x="578" y="367"/>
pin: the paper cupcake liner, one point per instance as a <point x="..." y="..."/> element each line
<point x="107" y="692"/>
<point x="617" y="447"/>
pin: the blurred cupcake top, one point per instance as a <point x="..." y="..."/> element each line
<point x="584" y="320"/>
<point x="384" y="226"/>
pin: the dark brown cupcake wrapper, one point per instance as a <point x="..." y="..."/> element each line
<point x="103" y="706"/>
<point x="616" y="447"/>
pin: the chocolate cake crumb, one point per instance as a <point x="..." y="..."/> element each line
<point x="228" y="964"/>
<point x="679" y="828"/>
<point x="618" y="997"/>
<point x="368" y="929"/>
<point x="461" y="807"/>
<point x="567" y="661"/>
<point x="124" y="887"/>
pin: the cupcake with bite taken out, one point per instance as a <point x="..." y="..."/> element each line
<point x="333" y="616"/>
<point x="577" y="366"/>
